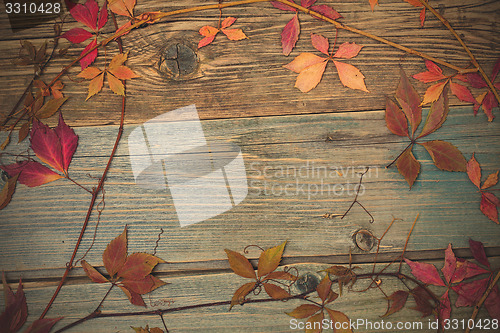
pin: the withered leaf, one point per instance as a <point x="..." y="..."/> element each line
<point x="138" y="265"/>
<point x="409" y="100"/>
<point x="315" y="323"/>
<point x="270" y="259"/>
<point x="51" y="107"/>
<point x="241" y="293"/>
<point x="144" y="285"/>
<point x="16" y="310"/>
<point x="304" y="311"/>
<point x="43" y="325"/>
<point x="492" y="180"/>
<point x="395" y="119"/>
<point x="133" y="297"/>
<point x="240" y="265"/>
<point x="93" y="273"/>
<point x="489" y="204"/>
<point x="324" y="287"/>
<point x="340" y="318"/>
<point x="275" y="291"/>
<point x="445" y="155"/>
<point x="427" y="273"/>
<point x="474" y="171"/>
<point x="115" y="254"/>
<point x="397" y="301"/>
<point x="7" y="191"/>
<point x="408" y="166"/>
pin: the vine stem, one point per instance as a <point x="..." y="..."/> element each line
<point x="465" y="47"/>
<point x="98" y="314"/>
<point x="483" y="298"/>
<point x="95" y="193"/>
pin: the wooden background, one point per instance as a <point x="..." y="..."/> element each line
<point x="244" y="95"/>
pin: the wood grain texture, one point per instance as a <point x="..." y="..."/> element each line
<point x="246" y="78"/>
<point x="287" y="152"/>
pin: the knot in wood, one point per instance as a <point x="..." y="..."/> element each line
<point x="179" y="61"/>
<point x="364" y="240"/>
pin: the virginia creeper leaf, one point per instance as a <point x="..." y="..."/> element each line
<point x="46" y="145"/>
<point x="240" y="265"/>
<point x="474" y="171"/>
<point x="450" y="264"/>
<point x="304" y="60"/>
<point x="314" y="322"/>
<point x="310" y="77"/>
<point x="282" y="6"/>
<point x="326" y="11"/>
<point x="492" y="180"/>
<point x="115" y="254"/>
<point x="290" y="35"/>
<point x="133" y="297"/>
<point x="7" y="191"/>
<point x="138" y="265"/>
<point x="320" y="43"/>
<point x="16" y="310"/>
<point x="228" y="21"/>
<point x="122" y="7"/>
<point x="463" y="93"/>
<point x="408" y="166"/>
<point x="103" y="16"/>
<point x="86" y="14"/>
<point x="477" y="249"/>
<point x="340" y="318"/>
<point x="307" y="3"/>
<point x="35" y="174"/>
<point x="373" y="3"/>
<point x="425" y="272"/>
<point x="488" y="206"/>
<point x="409" y="100"/>
<point x="476" y="80"/>
<point x="77" y="35"/>
<point x="50" y="107"/>
<point x="423" y="301"/>
<point x="445" y="155"/>
<point x="123" y="73"/>
<point x="275" y="291"/>
<point x="395" y="119"/>
<point x="433" y="92"/>
<point x="68" y="140"/>
<point x="95" y="85"/>
<point x="437" y="115"/>
<point x="93" y="273"/>
<point x="234" y="34"/>
<point x="118" y="60"/>
<point x="492" y="303"/>
<point x="397" y="301"/>
<point x="304" y="311"/>
<point x="270" y="259"/>
<point x="42" y="325"/>
<point x="469" y="293"/>
<point x="348" y="50"/>
<point x="116" y="85"/>
<point x="89" y="58"/>
<point x="444" y="306"/>
<point x="422" y="17"/>
<point x="144" y="285"/>
<point x="350" y="76"/>
<point x="241" y="293"/>
<point x="89" y="73"/>
<point x="324" y="287"/>
<point x="280" y="275"/>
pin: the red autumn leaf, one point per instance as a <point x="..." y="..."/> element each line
<point x="414" y="3"/>
<point x="307" y="3"/>
<point x="341" y="319"/>
<point x="409" y="100"/>
<point x="46" y="145"/>
<point x="144" y="285"/>
<point x="474" y="171"/>
<point x="492" y="303"/>
<point x="42" y="325"/>
<point x="489" y="102"/>
<point x="423" y="301"/>
<point x="492" y="180"/>
<point x="86" y="14"/>
<point x="450" y="264"/>
<point x="77" y="35"/>
<point x="320" y="43"/>
<point x="115" y="254"/>
<point x="240" y="265"/>
<point x="35" y="174"/>
<point x="462" y="93"/>
<point x="133" y="297"/>
<point x="241" y="293"/>
<point x="138" y="265"/>
<point x="422" y="17"/>
<point x="68" y="140"/>
<point x="350" y="76"/>
<point x="122" y="7"/>
<point x="103" y="16"/>
<point x="471" y="270"/>
<point x="282" y="6"/>
<point x="425" y="272"/>
<point x="16" y="310"/>
<point x="437" y="115"/>
<point x="205" y="41"/>
<point x="93" y="273"/>
<point x="395" y="119"/>
<point x="477" y="249"/>
<point x="434" y="92"/>
<point x="7" y="191"/>
<point x="89" y="58"/>
<point x="326" y="11"/>
<point x="275" y="291"/>
<point x="270" y="259"/>
<point x="444" y="307"/>
<point x="488" y="206"/>
<point x="433" y="73"/>
<point x="348" y="50"/>
<point x="304" y="311"/>
<point x="290" y="35"/>
<point x="408" y="166"/>
<point x="373" y="3"/>
<point x="445" y="155"/>
<point x="397" y="301"/>
<point x="476" y="80"/>
<point x="469" y="293"/>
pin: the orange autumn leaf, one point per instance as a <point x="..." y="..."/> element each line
<point x="116" y="85"/>
<point x="241" y="293"/>
<point x="310" y="77"/>
<point x="234" y="34"/>
<point x="122" y="7"/>
<point x="350" y="76"/>
<point x="240" y="265"/>
<point x="340" y="318"/>
<point x="115" y="254"/>
<point x="324" y="287"/>
<point x="209" y="32"/>
<point x="270" y="259"/>
<point x="302" y="61"/>
<point x="138" y="265"/>
<point x="474" y="171"/>
<point x="304" y="311"/>
<point x="492" y="180"/>
<point x="95" y="85"/>
<point x="433" y="92"/>
<point x="7" y="191"/>
<point x="275" y="291"/>
<point x="437" y="114"/>
<point x="92" y="273"/>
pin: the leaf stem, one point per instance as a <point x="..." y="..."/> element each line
<point x="394" y="161"/>
<point x="465" y="47"/>
<point x="76" y="183"/>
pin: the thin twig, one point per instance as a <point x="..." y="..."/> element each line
<point x="406" y="243"/>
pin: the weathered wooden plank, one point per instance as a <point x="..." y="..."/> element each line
<point x="246" y="78"/>
<point x="273" y="148"/>
<point x="77" y="300"/>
